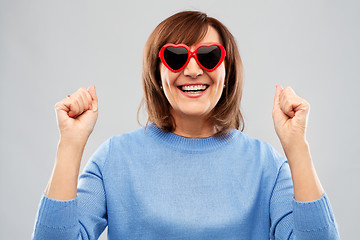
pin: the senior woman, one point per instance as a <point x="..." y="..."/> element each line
<point x="190" y="173"/>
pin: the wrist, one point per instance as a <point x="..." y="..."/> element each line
<point x="71" y="140"/>
<point x="70" y="149"/>
<point x="69" y="155"/>
<point x="298" y="153"/>
<point x="295" y="144"/>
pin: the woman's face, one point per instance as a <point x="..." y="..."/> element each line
<point x="199" y="104"/>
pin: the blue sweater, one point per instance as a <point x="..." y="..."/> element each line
<point x="158" y="185"/>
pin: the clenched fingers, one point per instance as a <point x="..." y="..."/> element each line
<point x="75" y="104"/>
<point x="290" y="103"/>
<point x="80" y="102"/>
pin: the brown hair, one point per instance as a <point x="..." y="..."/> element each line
<point x="189" y="27"/>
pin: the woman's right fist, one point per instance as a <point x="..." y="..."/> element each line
<point x="77" y="114"/>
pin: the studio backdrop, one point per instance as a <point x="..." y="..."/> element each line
<point x="49" y="49"/>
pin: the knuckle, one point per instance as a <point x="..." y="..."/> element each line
<point x="60" y="103"/>
<point x="88" y="95"/>
<point x="79" y="91"/>
<point x="73" y="99"/>
<point x="289" y="91"/>
<point x="57" y="105"/>
<point x="83" y="94"/>
<point x="77" y="96"/>
<point x="82" y="90"/>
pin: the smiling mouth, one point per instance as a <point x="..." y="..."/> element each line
<point x="193" y="88"/>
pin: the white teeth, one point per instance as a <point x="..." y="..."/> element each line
<point x="193" y="87"/>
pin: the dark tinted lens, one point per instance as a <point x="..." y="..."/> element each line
<point x="209" y="57"/>
<point x="175" y="57"/>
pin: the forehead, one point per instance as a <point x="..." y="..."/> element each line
<point x="211" y="36"/>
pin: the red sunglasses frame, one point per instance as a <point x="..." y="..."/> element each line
<point x="192" y="54"/>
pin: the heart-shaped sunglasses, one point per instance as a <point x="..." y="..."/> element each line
<point x="176" y="56"/>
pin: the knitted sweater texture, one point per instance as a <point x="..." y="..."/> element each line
<point x="157" y="185"/>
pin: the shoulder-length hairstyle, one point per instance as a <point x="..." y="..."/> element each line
<point x="189" y="27"/>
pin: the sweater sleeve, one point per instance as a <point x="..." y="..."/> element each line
<point x="84" y="217"/>
<point x="291" y="219"/>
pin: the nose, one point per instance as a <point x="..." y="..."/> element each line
<point x="193" y="69"/>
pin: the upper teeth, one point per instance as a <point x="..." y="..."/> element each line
<point x="193" y="87"/>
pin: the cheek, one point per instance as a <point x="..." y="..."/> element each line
<point x="167" y="81"/>
<point x="167" y="77"/>
<point x="218" y="76"/>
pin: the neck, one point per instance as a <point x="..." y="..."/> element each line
<point x="193" y="127"/>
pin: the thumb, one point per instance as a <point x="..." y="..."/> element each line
<point x="94" y="102"/>
<point x="62" y="109"/>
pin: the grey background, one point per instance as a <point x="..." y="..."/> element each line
<point x="49" y="49"/>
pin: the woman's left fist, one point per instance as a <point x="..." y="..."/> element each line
<point x="290" y="113"/>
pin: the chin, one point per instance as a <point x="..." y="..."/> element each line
<point x="194" y="111"/>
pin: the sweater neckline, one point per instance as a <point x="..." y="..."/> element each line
<point x="191" y="145"/>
